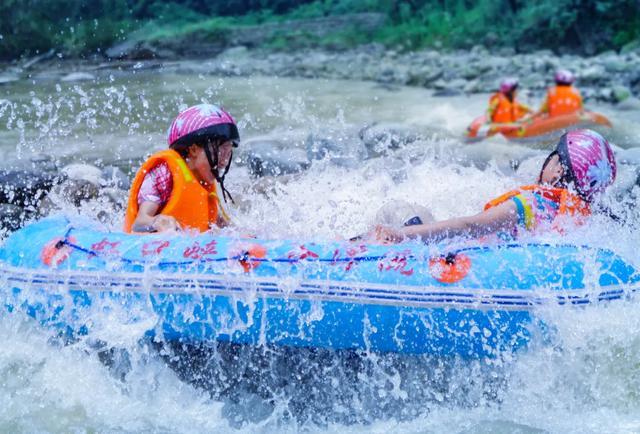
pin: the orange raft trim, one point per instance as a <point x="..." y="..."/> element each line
<point x="450" y="268"/>
<point x="55" y="252"/>
<point x="248" y="253"/>
<point x="537" y="126"/>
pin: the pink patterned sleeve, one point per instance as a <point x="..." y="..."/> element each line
<point x="156" y="186"/>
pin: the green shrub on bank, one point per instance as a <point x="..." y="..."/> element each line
<point x="81" y="27"/>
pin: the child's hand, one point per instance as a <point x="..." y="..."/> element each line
<point x="165" y="223"/>
<point x="387" y="235"/>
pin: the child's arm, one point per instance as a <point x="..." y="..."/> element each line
<point x="148" y="219"/>
<point x="502" y="217"/>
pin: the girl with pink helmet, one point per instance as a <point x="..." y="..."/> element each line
<point x="178" y="188"/>
<point x="581" y="167"/>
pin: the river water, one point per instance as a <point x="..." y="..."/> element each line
<point x="587" y="382"/>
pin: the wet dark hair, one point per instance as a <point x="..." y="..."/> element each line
<point x="567" y="173"/>
<point x="182" y="147"/>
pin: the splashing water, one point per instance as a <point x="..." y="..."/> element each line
<point x="585" y="382"/>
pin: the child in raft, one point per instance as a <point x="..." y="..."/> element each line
<point x="177" y="188"/>
<point x="581" y="166"/>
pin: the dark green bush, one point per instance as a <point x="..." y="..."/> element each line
<point x="80" y="27"/>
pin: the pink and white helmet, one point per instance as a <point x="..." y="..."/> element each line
<point x="590" y="161"/>
<point x="563" y="76"/>
<point x="508" y="84"/>
<point x="203" y="121"/>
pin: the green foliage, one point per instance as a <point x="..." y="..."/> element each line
<point x="79" y="27"/>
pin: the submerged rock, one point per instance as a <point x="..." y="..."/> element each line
<point x="78" y="76"/>
<point x="24" y="188"/>
<point x="12" y="217"/>
<point x="8" y="78"/>
<point x="132" y="50"/>
<point x="86" y="172"/>
<point x="378" y="138"/>
<point x="112" y="176"/>
<point x="76" y="191"/>
<point x="43" y="162"/>
<point x="620" y="93"/>
<point x="271" y="157"/>
<point x="338" y="149"/>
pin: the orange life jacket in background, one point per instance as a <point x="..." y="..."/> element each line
<point x="563" y="100"/>
<point x="505" y="111"/>
<point x="192" y="204"/>
<point x="569" y="204"/>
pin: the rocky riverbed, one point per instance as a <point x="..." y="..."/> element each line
<point x="609" y="76"/>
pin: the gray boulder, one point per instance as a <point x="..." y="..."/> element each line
<point x="43" y="163"/>
<point x="23" y="187"/>
<point x="12" y="217"/>
<point x="132" y="50"/>
<point x="272" y="158"/>
<point x="379" y="138"/>
<point x="112" y="176"/>
<point x="620" y="93"/>
<point x="8" y="78"/>
<point x="85" y="172"/>
<point x="78" y="76"/>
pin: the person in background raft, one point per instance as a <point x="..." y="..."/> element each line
<point x="503" y="107"/>
<point x="177" y="188"/>
<point x="563" y="98"/>
<point x="582" y="165"/>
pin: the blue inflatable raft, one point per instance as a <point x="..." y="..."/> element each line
<point x="410" y="298"/>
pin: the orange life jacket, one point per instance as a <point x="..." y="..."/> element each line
<point x="505" y="111"/>
<point x="192" y="204"/>
<point x="563" y="100"/>
<point x="569" y="204"/>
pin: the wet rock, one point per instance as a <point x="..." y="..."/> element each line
<point x="84" y="172"/>
<point x="47" y="75"/>
<point x="234" y="53"/>
<point x="506" y="51"/>
<point x="631" y="47"/>
<point x="378" y="138"/>
<point x="39" y="58"/>
<point x="75" y="191"/>
<point x="78" y="76"/>
<point x="247" y="408"/>
<point x="12" y="217"/>
<point x="616" y="64"/>
<point x="112" y="176"/>
<point x="604" y="94"/>
<point x="620" y="93"/>
<point x="24" y="188"/>
<point x="533" y="81"/>
<point x="132" y="50"/>
<point x="629" y="104"/>
<point x="8" y="78"/>
<point x="116" y="196"/>
<point x="447" y="91"/>
<point x="43" y="163"/>
<point x="592" y="75"/>
<point x="423" y="75"/>
<point x="270" y="157"/>
<point x="319" y="147"/>
<point x="336" y="148"/>
<point x="474" y="70"/>
<point x="392" y="73"/>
